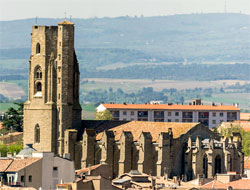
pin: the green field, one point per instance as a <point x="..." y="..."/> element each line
<point x="229" y="98"/>
<point x="5" y="106"/>
<point x="88" y="111"/>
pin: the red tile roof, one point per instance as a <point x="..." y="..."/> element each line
<point x="247" y="163"/>
<point x="4" y="164"/>
<point x="239" y="184"/>
<point x="87" y="169"/>
<point x="171" y="107"/>
<point x="245" y="116"/>
<point x="19" y="164"/>
<point x="155" y="128"/>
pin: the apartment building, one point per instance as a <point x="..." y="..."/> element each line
<point x="209" y="115"/>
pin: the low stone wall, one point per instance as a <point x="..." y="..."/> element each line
<point x="11" y="138"/>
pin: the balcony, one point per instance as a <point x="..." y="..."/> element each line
<point x="159" y="114"/>
<point x="115" y="114"/>
<point x="142" y="114"/>
<point x="187" y="115"/>
<point x="204" y="115"/>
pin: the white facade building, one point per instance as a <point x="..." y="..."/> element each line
<point x="209" y="115"/>
<point x="41" y="170"/>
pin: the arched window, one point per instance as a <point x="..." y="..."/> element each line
<point x="38" y="48"/>
<point x="38" y="87"/>
<point x="37" y="134"/>
<point x="205" y="165"/>
<point x="38" y="72"/>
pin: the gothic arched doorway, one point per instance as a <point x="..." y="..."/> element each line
<point x="217" y="165"/>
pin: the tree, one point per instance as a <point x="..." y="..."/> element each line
<point x="14" y="118"/>
<point x="103" y="115"/>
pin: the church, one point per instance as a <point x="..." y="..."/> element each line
<point x="52" y="123"/>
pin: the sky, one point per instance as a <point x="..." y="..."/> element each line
<point x="21" y="9"/>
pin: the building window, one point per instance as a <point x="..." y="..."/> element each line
<point x="221" y="114"/>
<point x="214" y="114"/>
<point x="38" y="48"/>
<point x="38" y="72"/>
<point x="169" y="113"/>
<point x="37" y="134"/>
<point x="214" y="121"/>
<point x="55" y="172"/>
<point x="30" y="178"/>
<point x="221" y="121"/>
<point x="169" y="120"/>
<point x="132" y="113"/>
<point x="124" y="112"/>
<point x="177" y="120"/>
<point x="176" y="113"/>
<point x="124" y="119"/>
<point x="38" y="87"/>
<point x="22" y="178"/>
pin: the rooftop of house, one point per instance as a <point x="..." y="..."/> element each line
<point x="172" y="107"/>
<point x="84" y="170"/>
<point x="155" y="128"/>
<point x="66" y="22"/>
<point x="247" y="162"/>
<point x="26" y="151"/>
<point x="239" y="184"/>
<point x="244" y="125"/>
<point x="16" y="164"/>
<point x="245" y="116"/>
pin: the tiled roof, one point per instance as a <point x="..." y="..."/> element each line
<point x="4" y="164"/>
<point x="244" y="125"/>
<point x="171" y="107"/>
<point x="245" y="116"/>
<point x="65" y="22"/>
<point x="239" y="184"/>
<point x="155" y="128"/>
<point x="247" y="162"/>
<point x="87" y="169"/>
<point x="19" y="164"/>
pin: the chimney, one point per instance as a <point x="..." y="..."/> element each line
<point x="124" y="103"/>
<point x="9" y="155"/>
<point x="213" y="104"/>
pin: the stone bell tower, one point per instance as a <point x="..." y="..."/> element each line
<point x="53" y="97"/>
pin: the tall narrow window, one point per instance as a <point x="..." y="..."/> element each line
<point x="38" y="87"/>
<point x="38" y="72"/>
<point x="205" y="166"/>
<point x="37" y="134"/>
<point x="38" y="48"/>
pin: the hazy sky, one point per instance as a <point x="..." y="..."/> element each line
<point x="19" y="9"/>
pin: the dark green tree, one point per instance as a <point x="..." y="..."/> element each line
<point x="14" y="118"/>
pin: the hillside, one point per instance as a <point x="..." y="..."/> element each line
<point x="195" y="37"/>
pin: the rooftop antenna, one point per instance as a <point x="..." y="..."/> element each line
<point x="36" y="20"/>
<point x="70" y="17"/>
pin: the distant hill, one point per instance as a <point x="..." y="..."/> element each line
<point x="195" y="37"/>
